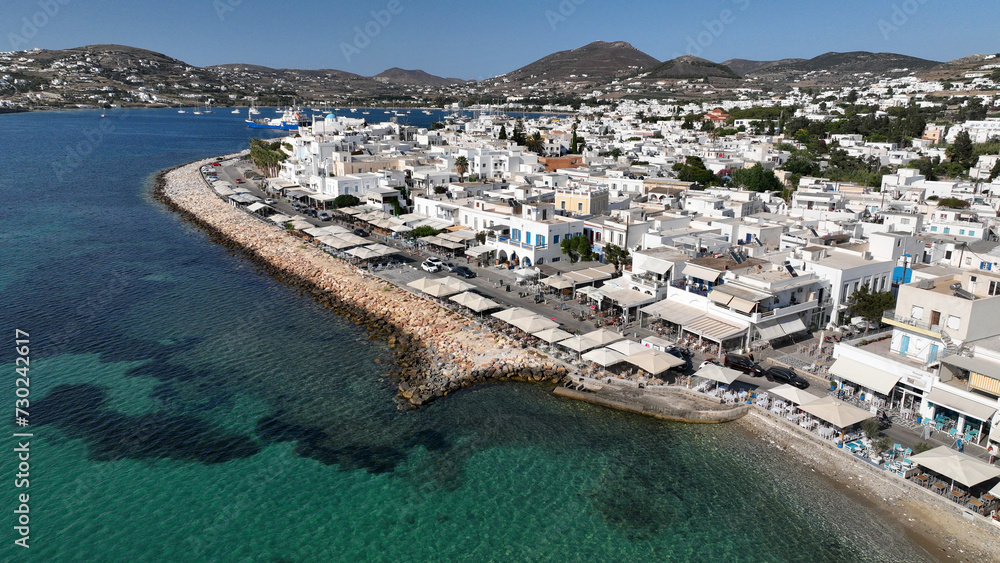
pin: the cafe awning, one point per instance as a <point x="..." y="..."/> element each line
<point x="558" y="282"/>
<point x="701" y="272"/>
<point x="628" y="298"/>
<point x="714" y="328"/>
<point x="742" y="305"/>
<point x="674" y="312"/>
<point x="966" y="406"/>
<point x="793" y="394"/>
<point x="864" y="375"/>
<point x="715" y="372"/>
<point x="720" y="298"/>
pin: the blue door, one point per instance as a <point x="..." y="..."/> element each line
<point x="904" y="345"/>
<point x="932" y="355"/>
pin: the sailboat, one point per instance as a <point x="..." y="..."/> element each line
<point x="237" y="110"/>
<point x="102" y="113"/>
<point x="181" y="111"/>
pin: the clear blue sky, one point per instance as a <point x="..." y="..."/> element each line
<point x="475" y="40"/>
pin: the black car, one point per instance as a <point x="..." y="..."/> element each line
<point x="744" y="364"/>
<point x="361" y="232"/>
<point x="785" y="375"/>
<point x="680" y="355"/>
<point x="464" y="272"/>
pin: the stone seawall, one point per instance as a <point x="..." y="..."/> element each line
<point x="437" y="351"/>
<point x="670" y="404"/>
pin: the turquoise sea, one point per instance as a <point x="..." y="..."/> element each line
<point x="185" y="407"/>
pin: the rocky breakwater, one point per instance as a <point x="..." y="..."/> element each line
<point x="437" y="351"/>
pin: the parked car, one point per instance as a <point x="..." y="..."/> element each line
<point x="216" y="164"/>
<point x="361" y="232"/>
<point x="268" y="201"/>
<point x="240" y="180"/>
<point x="311" y="212"/>
<point x="744" y="364"/>
<point x="323" y="216"/>
<point x="464" y="272"/>
<point x="785" y="375"/>
<point x="680" y="355"/>
<point x="448" y="266"/>
<point x="707" y="362"/>
<point x="429" y="266"/>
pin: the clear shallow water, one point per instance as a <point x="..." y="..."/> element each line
<point x="188" y="408"/>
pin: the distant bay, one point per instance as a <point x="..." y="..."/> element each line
<point x="186" y="407"/>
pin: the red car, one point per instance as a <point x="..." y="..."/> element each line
<point x="239" y="180"/>
<point x="216" y="164"/>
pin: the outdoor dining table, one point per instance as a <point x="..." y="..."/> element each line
<point x="977" y="505"/>
<point x="939" y="487"/>
<point x="827" y="432"/>
<point x="922" y="478"/>
<point x="957" y="494"/>
<point x="906" y="413"/>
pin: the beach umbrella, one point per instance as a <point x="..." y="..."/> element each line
<point x="440" y="290"/>
<point x="835" y="411"/>
<point x="551" y="335"/>
<point x="463" y="299"/>
<point x="715" y="372"/>
<point x="423" y="283"/>
<point x="480" y="304"/>
<point x="507" y="315"/>
<point x="457" y="284"/>
<point x="603" y="357"/>
<point x="534" y="323"/>
<point x="579" y="343"/>
<point x="627" y="347"/>
<point x="793" y="394"/>
<point x="960" y="467"/>
<point x="654" y="361"/>
<point x="604" y="336"/>
<point x="558" y="282"/>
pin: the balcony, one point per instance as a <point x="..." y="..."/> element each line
<point x="517" y="244"/>
<point x="890" y="317"/>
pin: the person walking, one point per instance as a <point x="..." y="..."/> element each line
<point x="992" y="452"/>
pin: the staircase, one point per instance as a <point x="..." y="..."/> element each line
<point x="949" y="345"/>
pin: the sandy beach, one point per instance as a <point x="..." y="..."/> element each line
<point x="439" y="351"/>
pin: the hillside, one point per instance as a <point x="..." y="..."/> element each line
<point x="687" y="67"/>
<point x="595" y="62"/>
<point x="398" y="75"/>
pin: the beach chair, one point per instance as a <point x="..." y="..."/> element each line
<point x="897" y="448"/>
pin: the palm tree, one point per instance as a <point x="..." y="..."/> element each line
<point x="461" y="166"/>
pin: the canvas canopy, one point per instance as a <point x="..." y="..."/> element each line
<point x="960" y="467"/>
<point x="835" y="411"/>
<point x="654" y="361"/>
<point x="715" y="372"/>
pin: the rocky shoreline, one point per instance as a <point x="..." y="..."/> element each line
<point x="437" y="351"/>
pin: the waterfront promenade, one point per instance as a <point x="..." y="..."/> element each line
<point x="440" y="351"/>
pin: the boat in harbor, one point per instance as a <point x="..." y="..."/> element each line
<point x="289" y="121"/>
<point x="237" y="110"/>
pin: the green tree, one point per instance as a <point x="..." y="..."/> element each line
<point x="694" y="170"/>
<point x="535" y="143"/>
<point x="461" y="166"/>
<point x="925" y="167"/>
<point x="617" y="255"/>
<point x="518" y="136"/>
<point x="424" y="231"/>
<point x="346" y="200"/>
<point x="961" y="150"/>
<point x="953" y="203"/>
<point x="503" y="133"/>
<point x="577" y="248"/>
<point x="870" y="305"/>
<point x="995" y="171"/>
<point x="756" y="179"/>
